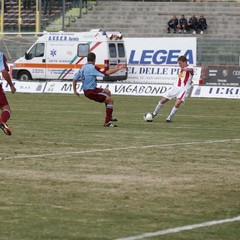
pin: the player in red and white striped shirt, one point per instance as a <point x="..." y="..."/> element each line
<point x="179" y="90"/>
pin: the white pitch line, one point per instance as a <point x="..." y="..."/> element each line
<point x="180" y="229"/>
<point x="116" y="149"/>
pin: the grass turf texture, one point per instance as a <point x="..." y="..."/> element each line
<point x="60" y="180"/>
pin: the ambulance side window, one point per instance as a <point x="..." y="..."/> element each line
<point x="121" y="50"/>
<point x="37" y="51"/>
<point x="112" y="49"/>
<point x="83" y="50"/>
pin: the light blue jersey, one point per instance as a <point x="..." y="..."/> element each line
<point x="87" y="74"/>
<point x="2" y="67"/>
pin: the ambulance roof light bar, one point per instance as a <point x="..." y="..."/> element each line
<point x="110" y="36"/>
<point x="119" y="36"/>
<point x="115" y="36"/>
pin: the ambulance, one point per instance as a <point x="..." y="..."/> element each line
<point x="59" y="55"/>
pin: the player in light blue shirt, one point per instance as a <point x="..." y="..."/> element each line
<point x="88" y="74"/>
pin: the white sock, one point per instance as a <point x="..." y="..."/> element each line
<point x="173" y="112"/>
<point x="157" y="108"/>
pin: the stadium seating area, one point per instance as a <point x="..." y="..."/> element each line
<point x="149" y="19"/>
<point x="28" y="16"/>
<point x="218" y="45"/>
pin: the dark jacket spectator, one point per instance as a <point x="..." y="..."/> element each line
<point x="183" y="25"/>
<point x="47" y="7"/>
<point x="27" y="4"/>
<point x="193" y="23"/>
<point x="202" y="23"/>
<point x="5" y="8"/>
<point x="172" y="24"/>
<point x="76" y="3"/>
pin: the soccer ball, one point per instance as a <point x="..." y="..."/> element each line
<point x="148" y="117"/>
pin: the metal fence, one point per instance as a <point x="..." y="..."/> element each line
<point x="209" y="51"/>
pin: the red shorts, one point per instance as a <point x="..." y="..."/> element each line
<point x="3" y="99"/>
<point x="96" y="94"/>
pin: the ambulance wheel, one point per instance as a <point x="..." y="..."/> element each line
<point x="24" y="76"/>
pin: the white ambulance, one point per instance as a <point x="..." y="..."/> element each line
<point x="59" y="55"/>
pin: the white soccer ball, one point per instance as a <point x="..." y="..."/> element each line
<point x="147" y="117"/>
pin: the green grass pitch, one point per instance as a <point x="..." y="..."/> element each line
<point x="63" y="176"/>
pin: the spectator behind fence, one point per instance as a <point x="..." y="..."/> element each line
<point x="202" y="24"/>
<point x="183" y="25"/>
<point x="193" y="24"/>
<point x="60" y="3"/>
<point x="172" y="24"/>
<point x="76" y="3"/>
<point x="27" y="4"/>
<point x="47" y="7"/>
<point x="5" y="8"/>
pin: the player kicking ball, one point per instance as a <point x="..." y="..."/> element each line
<point x="179" y="90"/>
<point x="4" y="105"/>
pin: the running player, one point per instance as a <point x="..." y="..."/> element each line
<point x="4" y="105"/>
<point x="179" y="90"/>
<point x="87" y="74"/>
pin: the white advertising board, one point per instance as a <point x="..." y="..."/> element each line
<point x="132" y="89"/>
<point x="25" y="87"/>
<point x="115" y="88"/>
<point x="158" y="74"/>
<point x="154" y="60"/>
<point x="160" y="51"/>
<point x="216" y="92"/>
